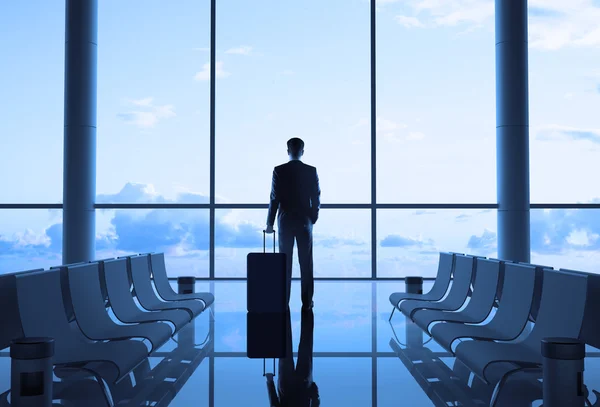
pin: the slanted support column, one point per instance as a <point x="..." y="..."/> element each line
<point x="79" y="171"/>
<point x="512" y="130"/>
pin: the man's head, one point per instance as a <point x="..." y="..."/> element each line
<point x="295" y="148"/>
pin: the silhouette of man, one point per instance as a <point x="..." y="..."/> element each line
<point x="295" y="385"/>
<point x="296" y="194"/>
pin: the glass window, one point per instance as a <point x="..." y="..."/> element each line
<point x="284" y="70"/>
<point x="341" y="242"/>
<point x="435" y="103"/>
<point x="409" y="241"/>
<point x="32" y="41"/>
<point x="564" y="97"/>
<point x="153" y="101"/>
<point x="566" y="238"/>
<point x="182" y="234"/>
<point x="30" y="239"/>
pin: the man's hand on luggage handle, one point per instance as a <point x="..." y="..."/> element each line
<point x="269" y="229"/>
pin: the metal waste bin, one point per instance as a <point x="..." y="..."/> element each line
<point x="186" y="285"/>
<point x="187" y="336"/>
<point x="563" y="365"/>
<point x="31" y="372"/>
<point x="414" y="285"/>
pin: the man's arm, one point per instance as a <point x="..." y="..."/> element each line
<point x="315" y="198"/>
<point x="274" y="201"/>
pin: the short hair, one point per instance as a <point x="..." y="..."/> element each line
<point x="295" y="146"/>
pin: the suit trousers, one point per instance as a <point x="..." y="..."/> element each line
<point x="299" y="229"/>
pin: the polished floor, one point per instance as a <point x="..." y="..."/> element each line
<point x="359" y="359"/>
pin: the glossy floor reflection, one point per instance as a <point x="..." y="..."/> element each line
<point x="359" y="359"/>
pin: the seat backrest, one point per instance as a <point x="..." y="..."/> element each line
<point x="140" y="271"/>
<point x="128" y="263"/>
<point x="515" y="304"/>
<point x="117" y="283"/>
<point x="102" y="279"/>
<point x="537" y="289"/>
<point x="461" y="284"/>
<point x="86" y="293"/>
<point x="561" y="309"/>
<point x="463" y="269"/>
<point x="590" y="330"/>
<point x="10" y="318"/>
<point x="486" y="283"/>
<point x="444" y="273"/>
<point x="41" y="304"/>
<point x="66" y="293"/>
<point x="158" y="268"/>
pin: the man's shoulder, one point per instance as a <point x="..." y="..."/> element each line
<point x="290" y="165"/>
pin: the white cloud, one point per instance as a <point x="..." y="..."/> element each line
<point x="455" y="12"/>
<point x="243" y="50"/>
<point x="581" y="238"/>
<point x="409" y="22"/>
<point x="288" y="72"/>
<point x="204" y="74"/>
<point x="556" y="132"/>
<point x="29" y="237"/>
<point x="553" y="24"/>
<point x="147" y="114"/>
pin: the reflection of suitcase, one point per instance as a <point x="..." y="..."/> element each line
<point x="266" y="336"/>
<point x="266" y="280"/>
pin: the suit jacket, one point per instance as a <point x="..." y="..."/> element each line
<point x="294" y="190"/>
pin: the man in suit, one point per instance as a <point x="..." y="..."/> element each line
<point x="295" y="193"/>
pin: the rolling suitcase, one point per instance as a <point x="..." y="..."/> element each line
<point x="266" y="281"/>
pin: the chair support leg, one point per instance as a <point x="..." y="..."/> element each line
<point x="505" y="378"/>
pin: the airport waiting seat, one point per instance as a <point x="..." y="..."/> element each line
<point x="457" y="295"/>
<point x="139" y="267"/>
<point x="480" y="304"/>
<point x="559" y="315"/>
<point x="92" y="316"/>
<point x="124" y="306"/>
<point x="440" y="285"/>
<point x="510" y="318"/>
<point x="163" y="287"/>
<point x="111" y="361"/>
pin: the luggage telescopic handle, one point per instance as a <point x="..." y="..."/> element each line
<point x="265" y="241"/>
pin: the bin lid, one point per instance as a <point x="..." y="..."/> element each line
<point x="32" y="348"/>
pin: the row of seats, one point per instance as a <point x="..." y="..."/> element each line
<point x="469" y="290"/>
<point x="73" y="305"/>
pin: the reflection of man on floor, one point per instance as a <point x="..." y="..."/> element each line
<point x="296" y="387"/>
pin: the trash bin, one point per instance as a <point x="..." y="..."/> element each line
<point x="414" y="285"/>
<point x="563" y="364"/>
<point x="31" y="372"/>
<point x="186" y="285"/>
<point x="187" y="336"/>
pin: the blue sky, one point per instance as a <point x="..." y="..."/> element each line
<point x="287" y="69"/>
